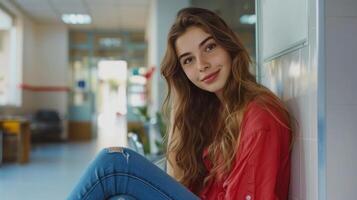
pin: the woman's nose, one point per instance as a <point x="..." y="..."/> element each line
<point x="203" y="64"/>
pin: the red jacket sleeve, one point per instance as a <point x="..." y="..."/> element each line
<point x="262" y="167"/>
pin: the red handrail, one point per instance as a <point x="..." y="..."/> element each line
<point x="44" y="88"/>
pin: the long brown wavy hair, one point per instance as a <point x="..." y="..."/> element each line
<point x="200" y="120"/>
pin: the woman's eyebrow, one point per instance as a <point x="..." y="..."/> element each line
<point x="183" y="55"/>
<point x="205" y="40"/>
<point x="200" y="45"/>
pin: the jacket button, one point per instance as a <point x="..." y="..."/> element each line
<point x="248" y="197"/>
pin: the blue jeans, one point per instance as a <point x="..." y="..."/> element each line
<point x="120" y="173"/>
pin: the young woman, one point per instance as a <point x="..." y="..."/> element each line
<point x="230" y="137"/>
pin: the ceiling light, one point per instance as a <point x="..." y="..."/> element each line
<point x="248" y="19"/>
<point x="76" y="19"/>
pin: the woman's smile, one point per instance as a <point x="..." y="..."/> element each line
<point x="211" y="77"/>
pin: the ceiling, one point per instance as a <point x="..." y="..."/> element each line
<point x="124" y="14"/>
<point x="106" y="14"/>
<point x="230" y="11"/>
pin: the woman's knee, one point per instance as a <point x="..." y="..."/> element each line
<point x="112" y="155"/>
<point x="122" y="197"/>
<point x="114" y="150"/>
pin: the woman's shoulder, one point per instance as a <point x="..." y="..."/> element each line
<point x="261" y="115"/>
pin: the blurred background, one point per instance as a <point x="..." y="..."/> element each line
<point x="77" y="76"/>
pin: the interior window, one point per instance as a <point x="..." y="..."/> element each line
<point x="10" y="76"/>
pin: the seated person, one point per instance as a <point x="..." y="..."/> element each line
<point x="230" y="137"/>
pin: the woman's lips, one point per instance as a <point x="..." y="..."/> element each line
<point x="211" y="77"/>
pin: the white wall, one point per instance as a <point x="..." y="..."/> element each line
<point x="43" y="58"/>
<point x="162" y="16"/>
<point x="294" y="77"/>
<point x="30" y="61"/>
<point x="51" y="69"/>
<point x="341" y="99"/>
<point x="45" y="64"/>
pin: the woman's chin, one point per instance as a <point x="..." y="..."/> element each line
<point x="216" y="90"/>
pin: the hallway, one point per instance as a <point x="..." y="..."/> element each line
<point x="56" y="167"/>
<point x="95" y="66"/>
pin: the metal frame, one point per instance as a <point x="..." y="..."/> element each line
<point x="321" y="100"/>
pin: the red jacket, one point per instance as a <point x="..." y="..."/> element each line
<point x="262" y="164"/>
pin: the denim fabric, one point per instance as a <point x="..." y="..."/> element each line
<point x="122" y="197"/>
<point x="120" y="173"/>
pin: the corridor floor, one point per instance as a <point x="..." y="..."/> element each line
<point x="55" y="168"/>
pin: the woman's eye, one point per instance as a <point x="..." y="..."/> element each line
<point x="210" y="47"/>
<point x="187" y="61"/>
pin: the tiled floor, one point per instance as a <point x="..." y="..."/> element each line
<point x="55" y="168"/>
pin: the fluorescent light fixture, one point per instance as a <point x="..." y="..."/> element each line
<point x="76" y="19"/>
<point x="248" y="19"/>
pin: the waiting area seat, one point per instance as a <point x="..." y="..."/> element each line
<point x="46" y="125"/>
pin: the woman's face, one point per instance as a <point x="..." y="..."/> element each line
<point x="204" y="61"/>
